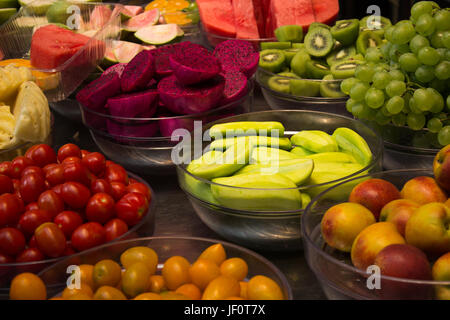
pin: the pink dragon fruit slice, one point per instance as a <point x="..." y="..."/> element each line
<point x="138" y="72"/>
<point x="194" y="65"/>
<point x="133" y="104"/>
<point x="190" y="99"/>
<point x="235" y="86"/>
<point x="145" y="130"/>
<point x="167" y="126"/>
<point x="238" y="55"/>
<point x="95" y="94"/>
<point x="117" y="68"/>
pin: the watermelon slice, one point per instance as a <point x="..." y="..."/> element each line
<point x="258" y="6"/>
<point x="217" y="17"/>
<point x="326" y="11"/>
<point x="245" y="20"/>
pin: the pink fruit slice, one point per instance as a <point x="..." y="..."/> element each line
<point x="133" y="104"/>
<point x="138" y="72"/>
<point x="117" y="68"/>
<point x="134" y="10"/>
<point x="145" y="19"/>
<point x="163" y="53"/>
<point x="217" y="17"/>
<point x="95" y="94"/>
<point x="125" y="51"/>
<point x="146" y="129"/>
<point x="190" y="99"/>
<point x="245" y="20"/>
<point x="238" y="55"/>
<point x="168" y="125"/>
<point x="235" y="87"/>
<point x="99" y="16"/>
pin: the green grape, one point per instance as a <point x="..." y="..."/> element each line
<point x="425" y="25"/>
<point x="414" y="109"/>
<point x="442" y="19"/>
<point x="442" y="54"/>
<point x="374" y="54"/>
<point x="397" y="75"/>
<point x="439" y="85"/>
<point x="367" y="113"/>
<point x="447" y="54"/>
<point x="442" y="70"/>
<point x="385" y="112"/>
<point x="395" y="105"/>
<point x="403" y="32"/>
<point x="423" y="99"/>
<point x="364" y="72"/>
<point x="397" y="50"/>
<point x="434" y="125"/>
<point x="399" y="119"/>
<point x="421" y="8"/>
<point x="381" y="119"/>
<point x="347" y="84"/>
<point x="424" y="73"/>
<point x="374" y="98"/>
<point x="395" y="88"/>
<point x="349" y="104"/>
<point x="416" y="121"/>
<point x="437" y="39"/>
<point x="444" y="136"/>
<point x="381" y="67"/>
<point x="418" y="42"/>
<point x="437" y="100"/>
<point x="428" y="56"/>
<point x="446" y="39"/>
<point x="409" y="62"/>
<point x="447" y="101"/>
<point x="385" y="48"/>
<point x="357" y="109"/>
<point x="381" y="79"/>
<point x="358" y="92"/>
<point x="388" y="33"/>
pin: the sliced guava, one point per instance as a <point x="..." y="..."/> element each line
<point x="124" y="51"/>
<point x="142" y="20"/>
<point x="159" y="34"/>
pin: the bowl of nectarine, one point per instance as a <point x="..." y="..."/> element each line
<point x="386" y="237"/>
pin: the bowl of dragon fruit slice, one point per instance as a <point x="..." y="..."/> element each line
<point x="137" y="113"/>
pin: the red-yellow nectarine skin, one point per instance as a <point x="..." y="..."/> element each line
<point x="427" y="229"/>
<point x="423" y="190"/>
<point x="447" y="203"/>
<point x="441" y="268"/>
<point x="343" y="222"/>
<point x="398" y="212"/>
<point x="441" y="168"/>
<point x="374" y="194"/>
<point x="372" y="240"/>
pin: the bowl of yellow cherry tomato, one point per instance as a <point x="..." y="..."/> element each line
<point x="157" y="268"/>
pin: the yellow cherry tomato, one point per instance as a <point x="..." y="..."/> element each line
<point x="109" y="293"/>
<point x="135" y="280"/>
<point x="190" y="290"/>
<point x="56" y="298"/>
<point x="145" y="255"/>
<point x="107" y="273"/>
<point x="84" y="289"/>
<point x="263" y="288"/>
<point x="176" y="272"/>
<point x="234" y="298"/>
<point x="244" y="288"/>
<point x="27" y="286"/>
<point x="148" y="296"/>
<point x="215" y="253"/>
<point x="221" y="288"/>
<point x="86" y="274"/>
<point x="80" y="296"/>
<point x="234" y="267"/>
<point x="203" y="272"/>
<point x="170" y="295"/>
<point x="157" y="284"/>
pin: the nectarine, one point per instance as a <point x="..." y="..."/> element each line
<point x="398" y="212"/>
<point x="441" y="168"/>
<point x="423" y="190"/>
<point x="441" y="272"/>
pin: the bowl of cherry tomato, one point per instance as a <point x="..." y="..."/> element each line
<point x="54" y="204"/>
<point x="158" y="268"/>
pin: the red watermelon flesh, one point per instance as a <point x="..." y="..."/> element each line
<point x="51" y="46"/>
<point x="217" y="17"/>
<point x="304" y="13"/>
<point x="326" y="11"/>
<point x="244" y="18"/>
<point x="258" y="6"/>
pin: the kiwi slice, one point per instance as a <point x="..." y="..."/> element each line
<point x="319" y="42"/>
<point x="298" y="45"/>
<point x="290" y="53"/>
<point x="317" y="69"/>
<point x="281" y="83"/>
<point x="345" y="69"/>
<point x="275" y="45"/>
<point x="346" y="31"/>
<point x="272" y="60"/>
<point x="290" y="33"/>
<point x="330" y="88"/>
<point x="367" y="39"/>
<point x="304" y="88"/>
<point x="318" y="25"/>
<point x="341" y="55"/>
<point x="298" y="63"/>
<point x="377" y="26"/>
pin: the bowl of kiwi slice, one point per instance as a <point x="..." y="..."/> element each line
<point x="305" y="71"/>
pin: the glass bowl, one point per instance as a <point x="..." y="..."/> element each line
<point x="15" y="42"/>
<point x="405" y="148"/>
<point x="270" y="230"/>
<point x="212" y="39"/>
<point x="55" y="276"/>
<point x="279" y="101"/>
<point x="149" y="151"/>
<point x="144" y="228"/>
<point x="337" y="276"/>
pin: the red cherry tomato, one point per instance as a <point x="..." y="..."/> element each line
<point x="109" y="162"/>
<point x="101" y="185"/>
<point x="50" y="240"/>
<point x="33" y="169"/>
<point x="68" y="221"/>
<point x="71" y="160"/>
<point x="32" y="206"/>
<point x="131" y="208"/>
<point x="31" y="186"/>
<point x="30" y="255"/>
<point x="115" y="228"/>
<point x="52" y="202"/>
<point x="5" y="168"/>
<point x="6" y="184"/>
<point x="116" y="173"/>
<point x="57" y="189"/>
<point x="139" y="188"/>
<point x="68" y="150"/>
<point x="5" y="259"/>
<point x="95" y="162"/>
<point x="118" y="190"/>
<point x="75" y="194"/>
<point x="69" y="250"/>
<point x="100" y="208"/>
<point x="41" y="155"/>
<point x="11" y="207"/>
<point x="84" y="153"/>
<point x="12" y="241"/>
<point x="131" y="181"/>
<point x="32" y="242"/>
<point x="88" y="235"/>
<point x="54" y="174"/>
<point x="32" y="219"/>
<point x="77" y="172"/>
<point x="18" y="165"/>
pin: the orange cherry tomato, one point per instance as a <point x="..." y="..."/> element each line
<point x="27" y="286"/>
<point x="190" y="290"/>
<point x="135" y="280"/>
<point x="221" y="288"/>
<point x="170" y="295"/>
<point x="107" y="273"/>
<point x="148" y="296"/>
<point x="109" y="293"/>
<point x="83" y="289"/>
<point x="80" y="296"/>
<point x="234" y="298"/>
<point x="145" y="255"/>
<point x="157" y="284"/>
<point x="244" y="288"/>
<point x="234" y="267"/>
<point x="215" y="253"/>
<point x="176" y="272"/>
<point x="203" y="272"/>
<point x="263" y="288"/>
<point x="86" y="274"/>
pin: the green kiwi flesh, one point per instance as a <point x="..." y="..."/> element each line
<point x="289" y="33"/>
<point x="319" y="42"/>
<point x="298" y="63"/>
<point x="346" y="31"/>
<point x="304" y="88"/>
<point x="345" y="69"/>
<point x="272" y="60"/>
<point x="330" y="88"/>
<point x="367" y="39"/>
<point x="318" y="25"/>
<point x="317" y="69"/>
<point x="281" y="83"/>
<point x="275" y="45"/>
<point x="290" y="53"/>
<point x="341" y="55"/>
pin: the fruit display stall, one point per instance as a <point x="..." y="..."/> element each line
<point x="90" y="171"/>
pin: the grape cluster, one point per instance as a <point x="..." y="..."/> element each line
<point x="405" y="80"/>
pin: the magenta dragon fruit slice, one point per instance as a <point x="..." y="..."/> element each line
<point x="95" y="94"/>
<point x="238" y="55"/>
<point x="133" y="104"/>
<point x="235" y="86"/>
<point x="117" y="68"/>
<point x="194" y="65"/>
<point x="122" y="131"/>
<point x="190" y="99"/>
<point x="169" y="123"/>
<point x="138" y="72"/>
